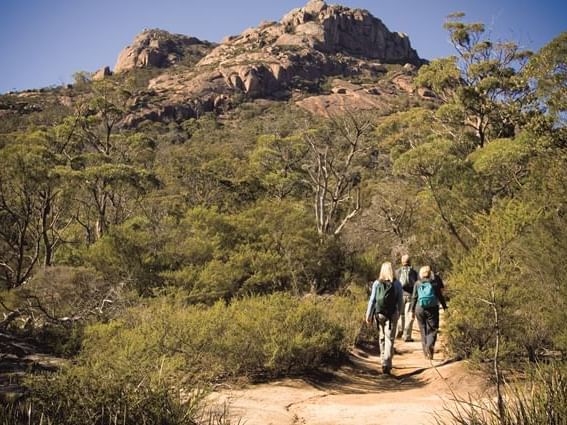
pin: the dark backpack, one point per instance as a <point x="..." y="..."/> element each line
<point x="406" y="278"/>
<point x="386" y="302"/>
<point x="426" y="297"/>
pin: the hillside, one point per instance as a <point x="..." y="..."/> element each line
<point x="208" y="216"/>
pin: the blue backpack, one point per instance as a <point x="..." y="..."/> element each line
<point x="426" y="297"/>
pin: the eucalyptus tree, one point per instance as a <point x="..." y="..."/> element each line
<point x="481" y="85"/>
<point x="107" y="165"/>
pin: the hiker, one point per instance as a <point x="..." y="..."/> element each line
<point x="425" y="301"/>
<point x="407" y="276"/>
<point x="385" y="305"/>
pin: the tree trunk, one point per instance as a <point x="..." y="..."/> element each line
<point x="496" y="361"/>
<point x="47" y="245"/>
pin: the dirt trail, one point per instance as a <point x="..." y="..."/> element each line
<point x="358" y="393"/>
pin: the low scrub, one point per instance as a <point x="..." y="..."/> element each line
<point x="78" y="396"/>
<point x="257" y="337"/>
<point x="143" y="368"/>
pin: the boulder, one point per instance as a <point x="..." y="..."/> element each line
<point x="404" y="82"/>
<point x="315" y="7"/>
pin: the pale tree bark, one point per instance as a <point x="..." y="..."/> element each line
<point x="332" y="176"/>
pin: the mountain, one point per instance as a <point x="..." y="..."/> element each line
<point x="299" y="53"/>
<point x="327" y="59"/>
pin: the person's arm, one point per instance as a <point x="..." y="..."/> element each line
<point x="414" y="298"/>
<point x="371" y="303"/>
<point x="441" y="297"/>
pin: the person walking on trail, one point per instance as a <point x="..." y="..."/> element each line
<point x="385" y="305"/>
<point x="427" y="295"/>
<point x="407" y="276"/>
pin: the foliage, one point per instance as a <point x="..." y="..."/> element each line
<point x="88" y="394"/>
<point x="499" y="273"/>
<point x="278" y="163"/>
<point x="541" y="400"/>
<point x="480" y="84"/>
<point x="263" y="336"/>
<point x="548" y="72"/>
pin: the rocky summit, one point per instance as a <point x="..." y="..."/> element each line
<point x="160" y="49"/>
<point x="307" y="45"/>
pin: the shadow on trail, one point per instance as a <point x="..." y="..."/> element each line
<point x="362" y="374"/>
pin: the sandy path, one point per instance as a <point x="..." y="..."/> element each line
<point x="358" y="393"/>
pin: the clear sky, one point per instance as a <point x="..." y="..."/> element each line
<point x="43" y="42"/>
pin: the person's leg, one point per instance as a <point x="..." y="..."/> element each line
<point x="408" y="325"/>
<point x="389" y="338"/>
<point x="401" y="324"/>
<point x="420" y="317"/>
<point x="432" y="330"/>
<point x="380" y="321"/>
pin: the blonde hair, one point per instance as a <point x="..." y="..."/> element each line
<point x="425" y="272"/>
<point x="386" y="272"/>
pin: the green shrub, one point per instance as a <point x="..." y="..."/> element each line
<point x="94" y="392"/>
<point x="262" y="336"/>
<point x="348" y="312"/>
<point x="524" y="285"/>
<point x="137" y="369"/>
<point x="541" y="400"/>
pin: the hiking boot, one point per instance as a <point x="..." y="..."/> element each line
<point x="408" y="339"/>
<point x="386" y="369"/>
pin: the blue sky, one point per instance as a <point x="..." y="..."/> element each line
<point x="43" y="42"/>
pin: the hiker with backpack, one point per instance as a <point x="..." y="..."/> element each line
<point x="427" y="295"/>
<point x="385" y="305"/>
<point x="407" y="276"/>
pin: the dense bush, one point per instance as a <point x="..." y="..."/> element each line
<point x="512" y="281"/>
<point x="257" y="337"/>
<point x="270" y="246"/>
<point x="87" y="395"/>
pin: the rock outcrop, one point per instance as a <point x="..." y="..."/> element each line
<point x="160" y="49"/>
<point x="334" y="29"/>
<point x="345" y="97"/>
<point x="308" y="45"/>
<point x="102" y="73"/>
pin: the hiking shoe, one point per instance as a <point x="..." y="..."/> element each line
<point x="386" y="369"/>
<point x="410" y="339"/>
